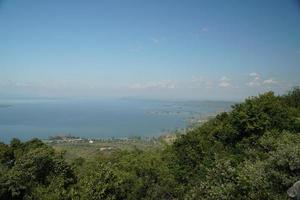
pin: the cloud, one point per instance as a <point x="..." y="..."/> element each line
<point x="164" y="84"/>
<point x="270" y="81"/>
<point x="225" y="82"/>
<point x="199" y="81"/>
<point x="256" y="81"/>
<point x="254" y="74"/>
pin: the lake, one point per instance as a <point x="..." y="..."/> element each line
<point x="26" y="119"/>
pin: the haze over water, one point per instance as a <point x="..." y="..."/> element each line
<point x="98" y="118"/>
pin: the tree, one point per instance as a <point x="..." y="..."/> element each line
<point x="35" y="169"/>
<point x="99" y="181"/>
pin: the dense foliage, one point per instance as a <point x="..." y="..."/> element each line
<point x="33" y="170"/>
<point x="251" y="152"/>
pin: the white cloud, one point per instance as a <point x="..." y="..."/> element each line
<point x="269" y="81"/>
<point x="200" y="82"/>
<point x="256" y="80"/>
<point x="225" y="82"/>
<point x="254" y="74"/>
<point x="164" y="84"/>
<point x="253" y="83"/>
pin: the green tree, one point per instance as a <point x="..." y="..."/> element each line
<point x="37" y="167"/>
<point x="99" y="181"/>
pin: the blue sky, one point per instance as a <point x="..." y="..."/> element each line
<point x="185" y="49"/>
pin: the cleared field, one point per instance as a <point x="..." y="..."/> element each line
<point x="102" y="148"/>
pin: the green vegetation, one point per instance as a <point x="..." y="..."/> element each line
<point x="103" y="148"/>
<point x="251" y="152"/>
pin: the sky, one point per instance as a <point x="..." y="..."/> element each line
<point x="165" y="49"/>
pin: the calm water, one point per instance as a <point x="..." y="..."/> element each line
<point x="97" y="119"/>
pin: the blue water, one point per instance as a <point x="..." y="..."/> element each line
<point x="95" y="118"/>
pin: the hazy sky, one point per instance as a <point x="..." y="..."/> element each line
<point x="206" y="49"/>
